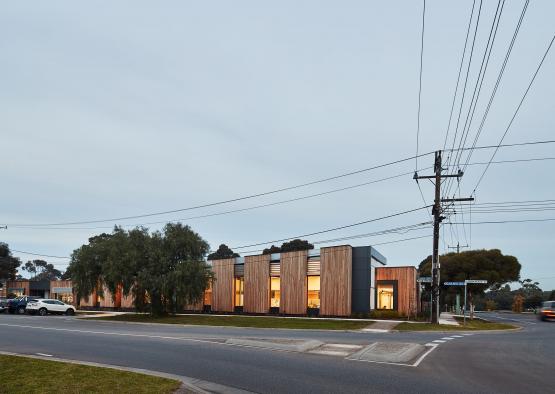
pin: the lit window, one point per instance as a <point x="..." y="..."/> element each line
<point x="239" y="291"/>
<point x="313" y="291"/>
<point x="274" y="292"/>
<point x="385" y="296"/>
<point x="208" y="295"/>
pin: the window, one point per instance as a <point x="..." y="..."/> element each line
<point x="239" y="291"/>
<point x="274" y="292"/>
<point x="65" y="297"/>
<point x="208" y="295"/>
<point x="313" y="291"/>
<point x="386" y="296"/>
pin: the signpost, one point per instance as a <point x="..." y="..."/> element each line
<point x="425" y="279"/>
<point x="466" y="282"/>
<point x="453" y="283"/>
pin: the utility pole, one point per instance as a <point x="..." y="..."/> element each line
<point x="458" y="247"/>
<point x="438" y="218"/>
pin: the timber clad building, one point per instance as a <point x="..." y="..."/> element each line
<point x="331" y="281"/>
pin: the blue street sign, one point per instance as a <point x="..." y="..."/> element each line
<point x="453" y="283"/>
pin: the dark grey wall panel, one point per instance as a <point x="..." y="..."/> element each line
<point x="361" y="279"/>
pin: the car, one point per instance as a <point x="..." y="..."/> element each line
<point x="547" y="311"/>
<point x="43" y="306"/>
<point x="3" y="304"/>
<point x="19" y="304"/>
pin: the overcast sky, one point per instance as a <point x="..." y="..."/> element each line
<point x="112" y="109"/>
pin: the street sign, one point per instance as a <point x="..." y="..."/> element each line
<point x="425" y="279"/>
<point x="453" y="283"/>
<point x="476" y="281"/>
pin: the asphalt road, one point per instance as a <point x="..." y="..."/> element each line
<point x="507" y="362"/>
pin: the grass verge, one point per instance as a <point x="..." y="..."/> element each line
<point x="244" y="321"/>
<point x="28" y="375"/>
<point x="471" y="325"/>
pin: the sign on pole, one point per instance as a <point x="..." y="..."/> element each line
<point x="425" y="279"/>
<point x="453" y="283"/>
<point x="476" y="281"/>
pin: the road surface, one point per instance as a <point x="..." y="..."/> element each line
<point x="501" y="362"/>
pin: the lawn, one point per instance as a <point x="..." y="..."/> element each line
<point x="28" y="375"/>
<point x="243" y="321"/>
<point x="471" y="325"/>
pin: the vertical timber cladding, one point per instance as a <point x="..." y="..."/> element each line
<point x="336" y="280"/>
<point x="222" y="288"/>
<point x="293" y="283"/>
<point x="257" y="284"/>
<point x="407" y="301"/>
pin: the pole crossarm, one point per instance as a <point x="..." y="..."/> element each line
<point x="457" y="199"/>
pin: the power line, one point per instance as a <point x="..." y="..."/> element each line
<point x="510" y="221"/>
<point x="526" y="143"/>
<point x="331" y="229"/>
<point x="498" y="81"/>
<point x="420" y="81"/>
<point x="459" y="75"/>
<point x="480" y="79"/>
<point x="466" y="79"/>
<point x="516" y="111"/>
<point x="234" y="210"/>
<point x="39" y="254"/>
<point x="281" y="201"/>
<point x="229" y="200"/>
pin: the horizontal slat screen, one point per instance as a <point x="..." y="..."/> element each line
<point x="239" y="270"/>
<point x="313" y="267"/>
<point x="274" y="268"/>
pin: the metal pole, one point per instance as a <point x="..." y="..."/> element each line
<point x="464" y="310"/>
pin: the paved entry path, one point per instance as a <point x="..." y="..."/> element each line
<point x="381" y="326"/>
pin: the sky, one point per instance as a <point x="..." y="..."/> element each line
<point x="116" y="109"/>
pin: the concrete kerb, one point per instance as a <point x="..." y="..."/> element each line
<point x="276" y="344"/>
<point x="188" y="384"/>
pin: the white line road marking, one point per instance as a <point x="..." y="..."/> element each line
<point x="113" y="333"/>
<point x="447" y="338"/>
<point x="457" y="336"/>
<point x="431" y="344"/>
<point x="44" y="354"/>
<point x="467" y="335"/>
<point x="438" y="341"/>
<point x="373" y="330"/>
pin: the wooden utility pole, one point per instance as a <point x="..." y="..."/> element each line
<point x="437" y="211"/>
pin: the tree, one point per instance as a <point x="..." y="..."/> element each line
<point x="42" y="270"/>
<point x="291" y="246"/>
<point x="163" y="270"/>
<point x="531" y="293"/>
<point x="272" y="249"/>
<point x="8" y="263"/>
<point x="223" y="252"/>
<point x="296" y="244"/>
<point x="491" y="265"/>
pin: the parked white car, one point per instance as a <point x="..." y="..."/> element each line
<point x="44" y="306"/>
